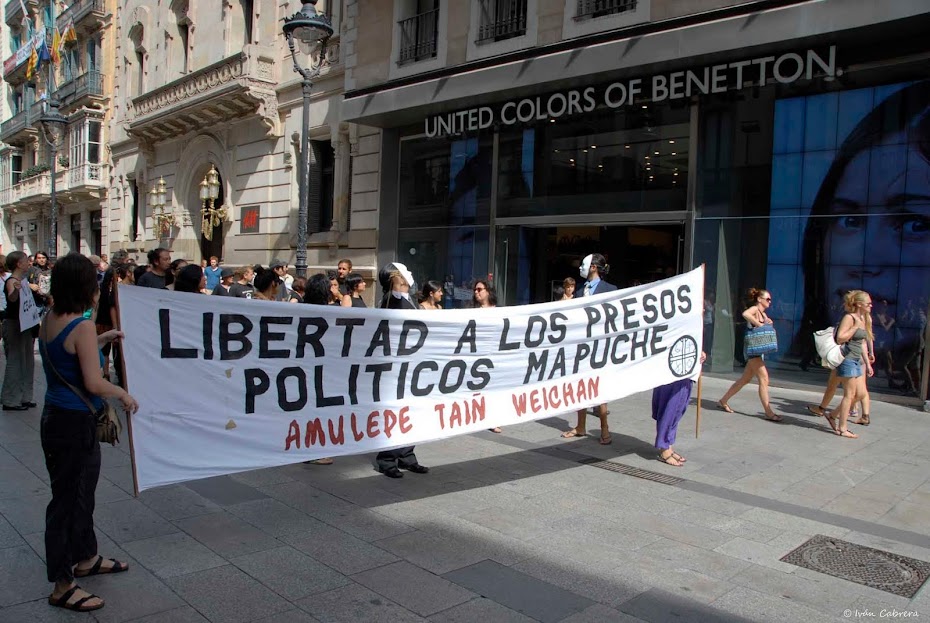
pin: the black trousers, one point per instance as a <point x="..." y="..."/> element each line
<point x="72" y="457"/>
<point x="396" y="458"/>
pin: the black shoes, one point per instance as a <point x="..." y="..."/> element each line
<point x="392" y="472"/>
<point x="18" y="408"/>
<point x="30" y="405"/>
<point x="416" y="469"/>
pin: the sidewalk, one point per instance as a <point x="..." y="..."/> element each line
<point x="509" y="527"/>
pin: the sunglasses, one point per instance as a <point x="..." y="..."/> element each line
<point x="480" y="289"/>
<point x="767" y="300"/>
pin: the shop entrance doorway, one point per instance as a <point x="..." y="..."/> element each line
<point x="532" y="261"/>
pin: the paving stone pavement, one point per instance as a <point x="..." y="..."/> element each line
<point x="508" y="527"/>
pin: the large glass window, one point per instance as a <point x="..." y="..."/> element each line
<point x="604" y="162"/>
<point x="834" y="194"/>
<point x="444" y="211"/>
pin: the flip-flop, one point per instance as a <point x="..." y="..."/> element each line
<point x="816" y="410"/>
<point x="775" y="418"/>
<point x="98" y="569"/>
<point x="832" y="421"/>
<point x="606" y="441"/>
<point x="573" y="433"/>
<point x="77" y="606"/>
<point x="667" y="459"/>
<point x="847" y="434"/>
<point x="724" y="407"/>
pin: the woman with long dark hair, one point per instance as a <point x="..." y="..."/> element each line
<point x="874" y="199"/>
<point x="190" y="279"/>
<point x="431" y="295"/>
<point x="355" y="285"/>
<point x="70" y="349"/>
<point x="483" y="295"/>
<point x="755" y="316"/>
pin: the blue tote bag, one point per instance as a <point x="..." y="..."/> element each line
<point x="760" y="341"/>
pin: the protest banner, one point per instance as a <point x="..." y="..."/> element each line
<point x="29" y="315"/>
<point x="228" y="385"/>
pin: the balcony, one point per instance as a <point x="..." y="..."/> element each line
<point x="418" y="37"/>
<point x="17" y="129"/>
<point x="236" y="87"/>
<point x="87" y="15"/>
<point x="501" y="19"/>
<point x="85" y="89"/>
<point x="13" y="15"/>
<point x="86" y="181"/>
<point x="599" y="8"/>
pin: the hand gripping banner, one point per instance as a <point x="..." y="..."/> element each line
<point x="227" y="385"/>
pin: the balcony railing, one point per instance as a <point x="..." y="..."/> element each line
<point x="600" y="8"/>
<point x="80" y="9"/>
<point x="418" y="37"/>
<point x="75" y="183"/>
<point x="89" y="84"/>
<point x="16" y="123"/>
<point x="501" y="19"/>
<point x="13" y="13"/>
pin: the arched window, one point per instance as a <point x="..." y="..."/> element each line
<point x="136" y="35"/>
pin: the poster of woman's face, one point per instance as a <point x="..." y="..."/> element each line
<point x="852" y="170"/>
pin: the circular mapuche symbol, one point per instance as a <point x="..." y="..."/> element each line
<point x="683" y="356"/>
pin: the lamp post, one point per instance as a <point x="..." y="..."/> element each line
<point x="209" y="191"/>
<point x="158" y="199"/>
<point x="53" y="126"/>
<point x="304" y="30"/>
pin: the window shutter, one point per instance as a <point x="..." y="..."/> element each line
<point x="313" y="194"/>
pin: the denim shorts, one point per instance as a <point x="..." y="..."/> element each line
<point x="849" y="369"/>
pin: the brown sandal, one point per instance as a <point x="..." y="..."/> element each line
<point x="863" y="421"/>
<point x="670" y="459"/>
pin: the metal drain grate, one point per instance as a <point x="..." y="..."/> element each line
<point x="629" y="470"/>
<point x="885" y="571"/>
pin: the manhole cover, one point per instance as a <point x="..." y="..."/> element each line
<point x="863" y="565"/>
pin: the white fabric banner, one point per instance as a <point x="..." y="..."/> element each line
<point x="29" y="315"/>
<point x="227" y="385"/>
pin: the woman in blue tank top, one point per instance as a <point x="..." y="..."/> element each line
<point x="70" y="349"/>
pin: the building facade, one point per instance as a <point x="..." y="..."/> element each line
<point x="207" y="88"/>
<point x="61" y="50"/>
<point x="781" y="144"/>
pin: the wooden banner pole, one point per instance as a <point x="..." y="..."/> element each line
<point x="697" y="421"/>
<point x="122" y="365"/>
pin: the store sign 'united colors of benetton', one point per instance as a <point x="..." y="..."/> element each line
<point x="227" y="385"/>
<point x="785" y="69"/>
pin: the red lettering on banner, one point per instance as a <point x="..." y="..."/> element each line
<point x="477" y="409"/>
<point x="405" y="425"/>
<point x="378" y="424"/>
<point x="561" y="396"/>
<point x="338" y="438"/>
<point x="293" y="435"/>
<point x="442" y="420"/>
<point x="314" y="431"/>
<point x="455" y="417"/>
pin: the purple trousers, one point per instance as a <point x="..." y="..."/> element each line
<point x="669" y="403"/>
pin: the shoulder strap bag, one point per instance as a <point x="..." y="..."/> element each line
<point x="108" y="424"/>
<point x="831" y="353"/>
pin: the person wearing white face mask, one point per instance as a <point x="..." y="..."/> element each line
<point x="397" y="281"/>
<point x="593" y="268"/>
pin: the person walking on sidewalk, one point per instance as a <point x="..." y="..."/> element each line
<point x="854" y="331"/>
<point x="755" y="316"/>
<point x="72" y="361"/>
<point x="18" y="344"/>
<point x="669" y="403"/>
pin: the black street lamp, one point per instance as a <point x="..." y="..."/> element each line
<point x="53" y="126"/>
<point x="304" y="30"/>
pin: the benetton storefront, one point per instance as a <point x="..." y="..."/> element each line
<point x="799" y="165"/>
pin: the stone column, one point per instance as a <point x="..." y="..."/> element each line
<point x="341" y="180"/>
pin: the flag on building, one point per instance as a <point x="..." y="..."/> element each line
<point x="42" y="52"/>
<point x="32" y="64"/>
<point x="56" y="46"/>
<point x="70" y="34"/>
